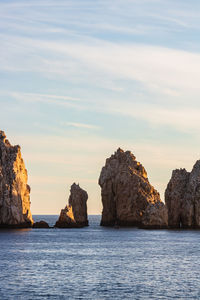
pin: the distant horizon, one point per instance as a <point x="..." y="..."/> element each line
<point x="59" y="214"/>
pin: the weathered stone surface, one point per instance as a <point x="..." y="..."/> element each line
<point x="41" y="224"/>
<point x="155" y="216"/>
<point x="127" y="195"/>
<point x="14" y="191"/>
<point x="74" y="214"/>
<point x="182" y="198"/>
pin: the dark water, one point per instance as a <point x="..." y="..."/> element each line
<point x="99" y="263"/>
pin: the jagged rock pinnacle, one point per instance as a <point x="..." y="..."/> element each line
<point x="14" y="190"/>
<point x="126" y="193"/>
<point x="75" y="213"/>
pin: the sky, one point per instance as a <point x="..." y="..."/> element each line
<point x="80" y="78"/>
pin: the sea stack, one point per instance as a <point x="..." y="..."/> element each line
<point x="14" y="190"/>
<point x="127" y="196"/>
<point x="75" y="213"/>
<point x="182" y="198"/>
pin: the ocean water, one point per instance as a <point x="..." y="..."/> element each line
<point x="99" y="263"/>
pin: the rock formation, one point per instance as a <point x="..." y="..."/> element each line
<point x="41" y="224"/>
<point x="155" y="216"/>
<point x="127" y="196"/>
<point x="74" y="214"/>
<point x="14" y="191"/>
<point x="182" y="198"/>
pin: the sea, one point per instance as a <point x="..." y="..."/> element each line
<point x="96" y="262"/>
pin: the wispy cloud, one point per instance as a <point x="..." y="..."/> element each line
<point x="159" y="69"/>
<point x="89" y="18"/>
<point x="184" y="118"/>
<point x="80" y="125"/>
<point x="57" y="100"/>
<point x="41" y="97"/>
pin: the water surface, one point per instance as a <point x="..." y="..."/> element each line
<point x="99" y="263"/>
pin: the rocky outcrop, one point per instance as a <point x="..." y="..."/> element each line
<point x="14" y="190"/>
<point x="155" y="216"/>
<point x="41" y="224"/>
<point x="128" y="198"/>
<point x="75" y="213"/>
<point x="182" y="198"/>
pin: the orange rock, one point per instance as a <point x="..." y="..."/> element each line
<point x="74" y="214"/>
<point x="14" y="190"/>
<point x="126" y="193"/>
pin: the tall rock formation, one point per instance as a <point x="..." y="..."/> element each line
<point x="182" y="198"/>
<point x="14" y="190"/>
<point x="128" y="198"/>
<point x="74" y="214"/>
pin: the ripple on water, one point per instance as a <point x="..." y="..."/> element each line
<point x="99" y="263"/>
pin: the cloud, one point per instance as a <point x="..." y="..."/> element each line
<point x="182" y="117"/>
<point x="41" y="97"/>
<point x="80" y="125"/>
<point x="162" y="70"/>
<point x="79" y="54"/>
<point x="58" y="100"/>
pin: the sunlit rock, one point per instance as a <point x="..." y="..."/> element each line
<point x="182" y="198"/>
<point x="128" y="198"/>
<point x="75" y="213"/>
<point x="14" y="190"/>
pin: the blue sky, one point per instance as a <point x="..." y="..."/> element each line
<point x="81" y="78"/>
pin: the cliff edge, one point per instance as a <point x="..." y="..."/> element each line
<point x="14" y="190"/>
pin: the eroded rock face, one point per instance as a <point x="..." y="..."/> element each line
<point x="14" y="190"/>
<point x="182" y="198"/>
<point x="127" y="195"/>
<point x="74" y="214"/>
<point x="155" y="216"/>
